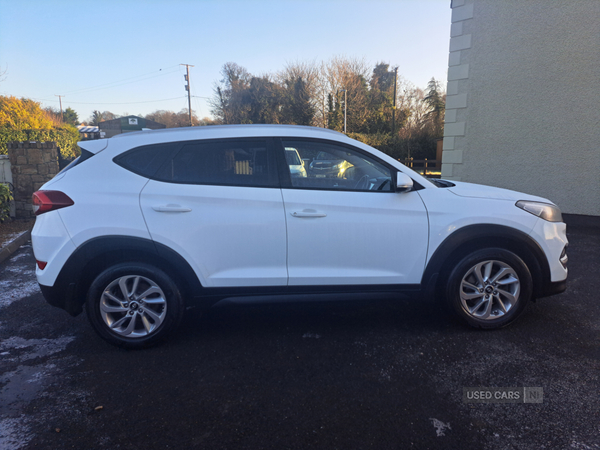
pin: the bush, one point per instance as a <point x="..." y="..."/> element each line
<point x="5" y="198"/>
<point x="65" y="136"/>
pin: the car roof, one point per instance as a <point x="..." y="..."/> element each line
<point x="125" y="141"/>
<point x="231" y="130"/>
<point x="211" y="132"/>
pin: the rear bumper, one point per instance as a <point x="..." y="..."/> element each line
<point x="63" y="297"/>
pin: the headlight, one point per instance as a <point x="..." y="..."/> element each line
<point x="546" y="211"/>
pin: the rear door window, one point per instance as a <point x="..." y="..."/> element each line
<point x="239" y="162"/>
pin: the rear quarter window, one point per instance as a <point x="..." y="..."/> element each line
<point x="146" y="160"/>
<point x="85" y="155"/>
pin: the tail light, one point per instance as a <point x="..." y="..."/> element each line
<point x="44" y="201"/>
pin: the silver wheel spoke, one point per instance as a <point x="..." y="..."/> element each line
<point x="119" y="322"/>
<point x="136" y="281"/>
<point x="113" y="298"/>
<point x="113" y="309"/>
<point x="154" y="301"/>
<point x="471" y="296"/>
<point x="130" y="326"/>
<point x="501" y="304"/>
<point x="123" y="286"/>
<point x="503" y="271"/>
<point x="147" y="325"/>
<point x="511" y="298"/>
<point x="488" y="270"/>
<point x="488" y="309"/>
<point x="478" y="274"/>
<point x="470" y="286"/>
<point x="509" y="280"/>
<point x="477" y="306"/>
<point x="151" y="290"/>
<point x="153" y="315"/>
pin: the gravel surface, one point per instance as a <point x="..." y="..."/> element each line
<point x="11" y="229"/>
<point x="305" y="376"/>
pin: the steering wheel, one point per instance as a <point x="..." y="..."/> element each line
<point x="362" y="183"/>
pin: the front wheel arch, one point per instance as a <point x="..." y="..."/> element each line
<point x="476" y="237"/>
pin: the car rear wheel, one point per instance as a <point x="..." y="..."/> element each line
<point x="134" y="305"/>
<point x="489" y="288"/>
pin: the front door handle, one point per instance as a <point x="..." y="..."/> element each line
<point x="309" y="213"/>
<point x="171" y="208"/>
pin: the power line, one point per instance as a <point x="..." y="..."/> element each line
<point x="135" y="79"/>
<point x="120" y="103"/>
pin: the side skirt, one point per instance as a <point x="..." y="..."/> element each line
<point x="295" y="294"/>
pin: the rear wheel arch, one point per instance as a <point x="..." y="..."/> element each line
<point x="98" y="254"/>
<point x="477" y="237"/>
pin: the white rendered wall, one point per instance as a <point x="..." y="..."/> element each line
<point x="523" y="104"/>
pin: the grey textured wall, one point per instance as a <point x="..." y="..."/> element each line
<point x="524" y="99"/>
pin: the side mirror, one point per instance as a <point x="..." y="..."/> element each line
<point x="404" y="183"/>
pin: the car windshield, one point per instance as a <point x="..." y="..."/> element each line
<point x="292" y="158"/>
<point x="326" y="156"/>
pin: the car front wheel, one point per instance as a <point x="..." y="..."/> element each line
<point x="489" y="288"/>
<point x="134" y="305"/>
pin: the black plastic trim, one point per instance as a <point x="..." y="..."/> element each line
<point x="554" y="288"/>
<point x="489" y="235"/>
<point x="92" y="257"/>
<point x="212" y="295"/>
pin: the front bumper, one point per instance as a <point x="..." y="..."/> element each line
<point x="554" y="288"/>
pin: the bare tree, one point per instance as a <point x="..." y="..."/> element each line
<point x="340" y="74"/>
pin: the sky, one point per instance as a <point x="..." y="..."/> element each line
<point x="124" y="56"/>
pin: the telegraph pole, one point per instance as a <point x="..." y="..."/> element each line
<point x="345" y="106"/>
<point x="187" y="88"/>
<point x="394" y="110"/>
<point x="60" y="101"/>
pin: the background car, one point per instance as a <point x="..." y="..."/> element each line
<point x="294" y="162"/>
<point x="328" y="165"/>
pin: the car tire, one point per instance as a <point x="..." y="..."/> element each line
<point x="134" y="305"/>
<point x="489" y="288"/>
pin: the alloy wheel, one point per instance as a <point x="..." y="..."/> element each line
<point x="489" y="290"/>
<point x="133" y="306"/>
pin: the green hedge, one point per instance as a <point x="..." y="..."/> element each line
<point x="5" y="198"/>
<point x="65" y="136"/>
<point x="419" y="147"/>
<point x="382" y="142"/>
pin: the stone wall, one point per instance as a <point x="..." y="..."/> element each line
<point x="32" y="165"/>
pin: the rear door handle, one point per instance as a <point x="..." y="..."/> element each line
<point x="308" y="214"/>
<point x="171" y="208"/>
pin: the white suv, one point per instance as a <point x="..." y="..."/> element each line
<point x="143" y="224"/>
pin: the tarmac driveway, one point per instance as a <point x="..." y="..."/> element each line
<point x="324" y="376"/>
